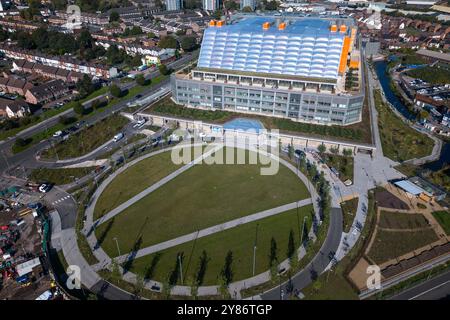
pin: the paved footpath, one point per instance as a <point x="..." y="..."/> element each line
<point x="214" y="229"/>
<point x="153" y="187"/>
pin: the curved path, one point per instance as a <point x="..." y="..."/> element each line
<point x="105" y="260"/>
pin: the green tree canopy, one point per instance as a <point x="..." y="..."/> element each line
<point x="167" y="42"/>
<point x="114" y="16"/>
<point x="188" y="43"/>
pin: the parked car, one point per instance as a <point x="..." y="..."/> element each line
<point x="299" y="153"/>
<point x="45" y="187"/>
<point x="57" y="134"/>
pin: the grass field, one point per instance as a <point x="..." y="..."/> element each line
<point x="392" y="244"/>
<point x="136" y="179"/>
<point x="443" y="217"/>
<point x="400" y="220"/>
<point x="399" y="141"/>
<point x="87" y="139"/>
<point x="240" y="240"/>
<point x="203" y="196"/>
<point x="58" y="176"/>
<point x="348" y="212"/>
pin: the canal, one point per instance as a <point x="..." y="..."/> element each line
<point x="385" y="79"/>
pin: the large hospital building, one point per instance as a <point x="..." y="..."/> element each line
<point x="304" y="69"/>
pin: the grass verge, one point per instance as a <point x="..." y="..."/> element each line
<point x="399" y="141"/>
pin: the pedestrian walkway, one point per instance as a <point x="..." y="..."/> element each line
<point x="214" y="229"/>
<point x="105" y="260"/>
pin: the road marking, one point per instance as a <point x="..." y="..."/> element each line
<point x="421" y="294"/>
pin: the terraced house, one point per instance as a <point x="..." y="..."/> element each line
<point x="304" y="69"/>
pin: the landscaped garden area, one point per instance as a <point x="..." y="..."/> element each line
<point x="393" y="244"/>
<point x="401" y="220"/>
<point x="189" y="203"/>
<point x="443" y="217"/>
<point x="343" y="164"/>
<point x="349" y="208"/>
<point x="86" y="140"/>
<point x="399" y="141"/>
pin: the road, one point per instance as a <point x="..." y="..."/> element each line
<point x="432" y="289"/>
<point x="26" y="158"/>
<point x="319" y="262"/>
<point x="67" y="209"/>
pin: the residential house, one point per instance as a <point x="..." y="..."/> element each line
<point x="46" y="92"/>
<point x="14" y="85"/>
<point x="14" y="108"/>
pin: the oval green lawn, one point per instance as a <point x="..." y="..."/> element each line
<point x="203" y="196"/>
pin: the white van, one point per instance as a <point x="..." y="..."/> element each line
<point x="118" y="136"/>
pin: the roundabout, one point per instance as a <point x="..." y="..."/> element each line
<point x="182" y="224"/>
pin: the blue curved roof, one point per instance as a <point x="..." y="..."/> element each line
<point x="303" y="48"/>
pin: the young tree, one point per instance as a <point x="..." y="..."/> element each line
<point x="291" y="245"/>
<point x="347" y="152"/>
<point x="115" y="270"/>
<point x="227" y="271"/>
<point x="115" y="91"/>
<point x="273" y="257"/>
<point x="322" y="148"/>
<point x="139" y="286"/>
<point x="78" y="108"/>
<point x="291" y="151"/>
<point x="424" y="115"/>
<point x="201" y="270"/>
<point x="140" y="80"/>
<point x="164" y="70"/>
<point x="334" y="150"/>
<point x="167" y="287"/>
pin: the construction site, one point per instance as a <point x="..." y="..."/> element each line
<point x="24" y="268"/>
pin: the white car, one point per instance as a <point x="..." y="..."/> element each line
<point x="44" y="188"/>
<point x="57" y="134"/>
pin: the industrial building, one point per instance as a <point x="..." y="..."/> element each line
<point x="304" y="69"/>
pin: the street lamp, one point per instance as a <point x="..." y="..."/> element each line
<point x="117" y="244"/>
<point x="181" y="268"/>
<point x="254" y="249"/>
